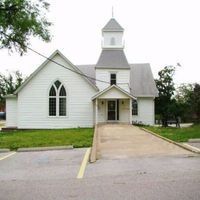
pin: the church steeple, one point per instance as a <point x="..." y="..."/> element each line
<point x="112" y="34"/>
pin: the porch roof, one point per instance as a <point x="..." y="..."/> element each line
<point x="109" y="89"/>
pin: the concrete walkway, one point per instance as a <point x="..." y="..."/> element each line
<point x="122" y="141"/>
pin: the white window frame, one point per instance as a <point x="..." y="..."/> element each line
<point x="132" y="107"/>
<point x="115" y="78"/>
<point x="57" y="100"/>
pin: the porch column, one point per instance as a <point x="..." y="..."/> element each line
<point x="130" y="107"/>
<point x="96" y="111"/>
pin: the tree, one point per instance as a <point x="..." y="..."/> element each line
<point x="165" y="85"/>
<point x="183" y="98"/>
<point x="184" y="92"/>
<point x="196" y="101"/>
<point x="188" y="97"/>
<point x="8" y="84"/>
<point x="21" y="19"/>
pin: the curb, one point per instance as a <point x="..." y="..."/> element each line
<point x="192" y="147"/>
<point x="4" y="150"/>
<point x="93" y="153"/>
<point x="171" y="141"/>
<point x="44" y="148"/>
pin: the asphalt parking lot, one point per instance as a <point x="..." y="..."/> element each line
<point x="42" y="165"/>
<point x="52" y="175"/>
<point x="194" y="144"/>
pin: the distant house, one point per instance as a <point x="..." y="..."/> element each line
<point x="112" y="90"/>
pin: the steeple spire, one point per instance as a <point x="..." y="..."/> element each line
<point x="112" y="12"/>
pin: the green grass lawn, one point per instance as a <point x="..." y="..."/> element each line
<point x="78" y="137"/>
<point x="177" y="134"/>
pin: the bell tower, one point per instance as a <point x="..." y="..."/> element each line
<point x="112" y="34"/>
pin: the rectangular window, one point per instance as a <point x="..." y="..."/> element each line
<point x="134" y="107"/>
<point x="113" y="79"/>
<point x="62" y="106"/>
<point x="52" y="106"/>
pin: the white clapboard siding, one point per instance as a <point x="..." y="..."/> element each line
<point x="33" y="99"/>
<point x="102" y="111"/>
<point x="123" y="110"/>
<point x="11" y="112"/>
<point x="145" y="111"/>
<point x="123" y="78"/>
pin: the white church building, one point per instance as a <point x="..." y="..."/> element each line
<point x="60" y="94"/>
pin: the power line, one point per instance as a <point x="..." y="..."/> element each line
<point x="57" y="63"/>
<point x="82" y="74"/>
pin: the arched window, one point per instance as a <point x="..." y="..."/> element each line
<point x="112" y="41"/>
<point x="57" y="99"/>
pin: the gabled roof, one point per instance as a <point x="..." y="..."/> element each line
<point x="109" y="88"/>
<point x="112" y="59"/>
<point x="76" y="69"/>
<point x="141" y="81"/>
<point x="112" y="25"/>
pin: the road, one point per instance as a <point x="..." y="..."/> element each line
<point x="52" y="175"/>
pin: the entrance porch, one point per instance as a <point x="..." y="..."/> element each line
<point x="113" y="105"/>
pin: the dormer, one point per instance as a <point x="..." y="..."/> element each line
<point x="112" y="34"/>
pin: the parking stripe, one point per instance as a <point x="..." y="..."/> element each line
<point x="7" y="156"/>
<point x="83" y="164"/>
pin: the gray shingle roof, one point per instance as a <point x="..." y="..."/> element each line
<point x="142" y="82"/>
<point x="88" y="70"/>
<point x="112" y="25"/>
<point x="114" y="58"/>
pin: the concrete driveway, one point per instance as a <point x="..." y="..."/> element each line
<point x="122" y="141"/>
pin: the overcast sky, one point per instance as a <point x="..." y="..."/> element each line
<point x="160" y="32"/>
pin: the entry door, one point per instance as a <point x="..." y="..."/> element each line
<point x="112" y="110"/>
